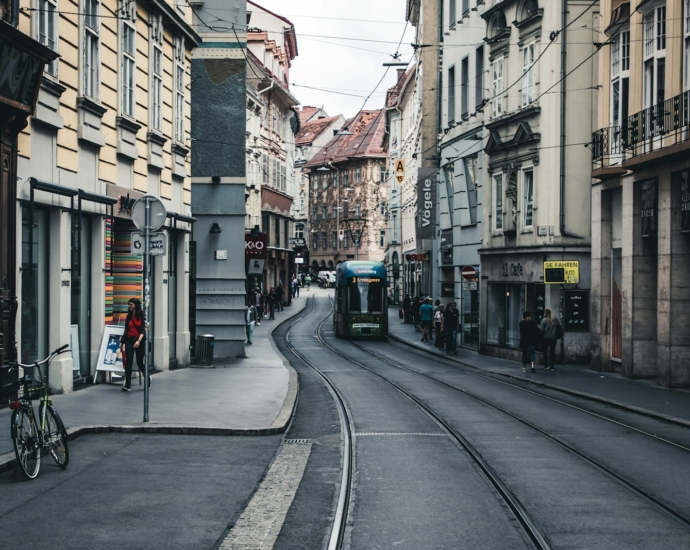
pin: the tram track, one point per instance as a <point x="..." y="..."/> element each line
<point x="662" y="507"/>
<point x="529" y="527"/>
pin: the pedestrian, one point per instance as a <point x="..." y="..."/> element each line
<point x="272" y="300"/>
<point x="451" y="323"/>
<point x="529" y="339"/>
<point x="250" y="318"/>
<point x="259" y="305"/>
<point x="302" y="277"/>
<point x="264" y="302"/>
<point x="307" y="281"/>
<point x="438" y="323"/>
<point x="426" y="314"/>
<point x="280" y="295"/>
<point x="416" y="304"/>
<point x="132" y="341"/>
<point x="551" y="331"/>
<point x="407" y="308"/>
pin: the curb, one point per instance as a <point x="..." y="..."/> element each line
<point x="603" y="400"/>
<point x="279" y="425"/>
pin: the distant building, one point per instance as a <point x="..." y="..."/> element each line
<point x="348" y="193"/>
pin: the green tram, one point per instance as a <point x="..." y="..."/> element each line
<point x="361" y="300"/>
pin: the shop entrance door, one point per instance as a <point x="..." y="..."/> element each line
<point x="470" y="315"/>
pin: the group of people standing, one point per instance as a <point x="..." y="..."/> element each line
<point x="545" y="336"/>
<point x="262" y="304"/>
<point x="443" y="321"/>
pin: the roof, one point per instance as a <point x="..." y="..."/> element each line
<point x="305" y="113"/>
<point x="313" y="129"/>
<point x="367" y="129"/>
<point x="393" y="92"/>
<point x="288" y="33"/>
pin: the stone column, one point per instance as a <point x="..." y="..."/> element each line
<point x="182" y="270"/>
<point x="97" y="288"/>
<point x="59" y="257"/>
<point x="600" y="297"/>
<point x="159" y="314"/>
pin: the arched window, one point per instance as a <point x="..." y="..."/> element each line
<point x="527" y="9"/>
<point x="497" y="25"/>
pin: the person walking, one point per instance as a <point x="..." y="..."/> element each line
<point x="551" y="331"/>
<point x="250" y="318"/>
<point x="280" y="295"/>
<point x="529" y="339"/>
<point x="426" y="314"/>
<point x="259" y="305"/>
<point x="451" y="323"/>
<point x="438" y="323"/>
<point x="407" y="308"/>
<point x="132" y="341"/>
<point x="272" y="300"/>
<point x="307" y="281"/>
<point x="416" y="304"/>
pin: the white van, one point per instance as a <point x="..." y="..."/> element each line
<point x="328" y="277"/>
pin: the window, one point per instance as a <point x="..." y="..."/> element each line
<point x="346" y="178"/>
<point x="346" y="213"/>
<point x="527" y="74"/>
<point x="264" y="167"/>
<point x="382" y="208"/>
<point x="335" y="210"/>
<point x="358" y="209"/>
<point x="47" y="30"/>
<point x="382" y="238"/>
<point x="324" y="213"/>
<point x="128" y="33"/>
<point x="465" y="8"/>
<point x="324" y="240"/>
<point x="299" y="231"/>
<point x="479" y="76"/>
<point x="276" y="228"/>
<point x="528" y="198"/>
<point x="91" y="61"/>
<point x="498" y="203"/>
<point x="156" y="60"/>
<point x="346" y="239"/>
<point x="382" y="174"/>
<point x="335" y="180"/>
<point x="654" y="44"/>
<point x="451" y="95"/>
<point x="179" y="91"/>
<point x="497" y="89"/>
<point x="464" y="87"/>
<point x="620" y="66"/>
<point x="452" y="16"/>
<point x="471" y="175"/>
<point x="358" y="175"/>
<point x="334" y="239"/>
<point x="315" y="241"/>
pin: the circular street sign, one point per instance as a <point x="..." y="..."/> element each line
<point x="157" y="213"/>
<point x="469" y="273"/>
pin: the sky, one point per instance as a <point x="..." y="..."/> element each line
<point x="349" y="66"/>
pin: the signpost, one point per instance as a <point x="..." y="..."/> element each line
<point x="148" y="214"/>
<point x="400" y="170"/>
<point x="469" y="273"/>
<point x="562" y="273"/>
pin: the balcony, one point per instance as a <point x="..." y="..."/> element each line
<point x="648" y="135"/>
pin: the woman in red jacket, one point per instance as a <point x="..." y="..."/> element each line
<point x="133" y="341"/>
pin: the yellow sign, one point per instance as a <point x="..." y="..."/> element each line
<point x="400" y="178"/>
<point x="562" y="273"/>
<point x="400" y="167"/>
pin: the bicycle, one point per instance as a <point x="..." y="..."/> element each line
<point x="31" y="443"/>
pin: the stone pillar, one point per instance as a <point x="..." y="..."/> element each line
<point x="97" y="288"/>
<point x="600" y="297"/>
<point x="159" y="314"/>
<point x="59" y="257"/>
<point x="639" y="290"/>
<point x="182" y="270"/>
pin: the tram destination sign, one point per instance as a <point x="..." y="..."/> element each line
<point x="562" y="273"/>
<point x="364" y="280"/>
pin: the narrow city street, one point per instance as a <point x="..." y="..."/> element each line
<point x="443" y="455"/>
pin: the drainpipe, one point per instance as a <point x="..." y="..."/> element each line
<point x="564" y="22"/>
<point x="14" y="14"/>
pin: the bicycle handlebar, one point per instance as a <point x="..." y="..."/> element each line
<point x="61" y="349"/>
<point x="58" y="351"/>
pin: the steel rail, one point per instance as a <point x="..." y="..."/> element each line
<point x="512" y="502"/>
<point x="340" y="517"/>
<point x="554" y="399"/>
<point x="652" y="501"/>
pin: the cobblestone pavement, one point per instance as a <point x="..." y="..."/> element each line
<point x="263" y="518"/>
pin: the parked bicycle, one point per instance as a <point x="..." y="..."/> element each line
<point x="33" y="437"/>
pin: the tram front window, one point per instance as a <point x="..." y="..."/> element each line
<point x="365" y="296"/>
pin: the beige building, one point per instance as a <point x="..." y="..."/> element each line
<point x="641" y="192"/>
<point x="111" y="125"/>
<point x="347" y="194"/>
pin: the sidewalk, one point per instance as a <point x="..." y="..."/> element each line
<point x="642" y="396"/>
<point x="245" y="396"/>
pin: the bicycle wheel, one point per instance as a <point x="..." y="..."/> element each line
<point x="25" y="440"/>
<point x="55" y="438"/>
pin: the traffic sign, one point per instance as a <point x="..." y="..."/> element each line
<point x="158" y="243"/>
<point x="400" y="166"/>
<point x="400" y="178"/>
<point x="157" y="213"/>
<point x="562" y="273"/>
<point x="469" y="273"/>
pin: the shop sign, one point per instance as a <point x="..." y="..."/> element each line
<point x="448" y="290"/>
<point x="562" y="273"/>
<point x="297" y="242"/>
<point x="649" y="208"/>
<point x="158" y="243"/>
<point x="576" y="310"/>
<point x="20" y="73"/>
<point x="255" y="246"/>
<point x="417" y="257"/>
<point x="426" y="203"/>
<point x="685" y="201"/>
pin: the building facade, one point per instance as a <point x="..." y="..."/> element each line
<point x="536" y="200"/>
<point x="641" y="193"/>
<point x="111" y="124"/>
<point x="348" y="194"/>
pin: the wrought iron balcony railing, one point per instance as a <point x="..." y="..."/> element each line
<point x="661" y="125"/>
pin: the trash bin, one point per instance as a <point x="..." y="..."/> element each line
<point x="204" y="350"/>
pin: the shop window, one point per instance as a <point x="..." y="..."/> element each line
<point x="506" y="304"/>
<point x="81" y="300"/>
<point x="34" y="307"/>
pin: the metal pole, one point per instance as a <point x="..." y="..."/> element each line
<point x="147" y="291"/>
